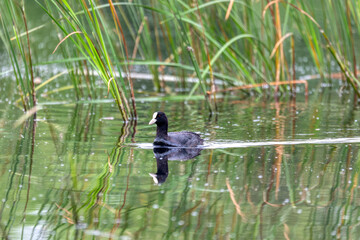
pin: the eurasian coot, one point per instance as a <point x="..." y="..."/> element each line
<point x="173" y="139"/>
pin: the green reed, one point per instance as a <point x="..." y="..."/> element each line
<point x="256" y="44"/>
<point x="250" y="47"/>
<point x="14" y="22"/>
<point x="92" y="42"/>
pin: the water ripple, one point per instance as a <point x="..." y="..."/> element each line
<point x="241" y="144"/>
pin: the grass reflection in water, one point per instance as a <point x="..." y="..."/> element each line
<point x="78" y="174"/>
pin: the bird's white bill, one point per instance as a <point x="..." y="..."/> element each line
<point x="153" y="175"/>
<point x="153" y="120"/>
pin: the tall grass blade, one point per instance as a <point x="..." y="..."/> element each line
<point x="12" y="18"/>
<point x="95" y="51"/>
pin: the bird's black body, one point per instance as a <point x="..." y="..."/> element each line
<point x="173" y="139"/>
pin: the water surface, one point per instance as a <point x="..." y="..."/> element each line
<point x="268" y="170"/>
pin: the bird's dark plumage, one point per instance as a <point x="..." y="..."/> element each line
<point x="173" y="139"/>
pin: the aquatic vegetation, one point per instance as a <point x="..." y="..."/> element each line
<point x="93" y="43"/>
<point x="222" y="46"/>
<point x="13" y="21"/>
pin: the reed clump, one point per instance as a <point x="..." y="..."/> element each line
<point x="14" y="35"/>
<point x="240" y="43"/>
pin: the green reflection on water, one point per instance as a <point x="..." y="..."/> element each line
<point x="78" y="172"/>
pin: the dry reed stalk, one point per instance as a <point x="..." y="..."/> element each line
<point x="32" y="84"/>
<point x="62" y="40"/>
<point x="213" y="87"/>
<point x="279" y="54"/>
<point x="117" y="24"/>
<point x="262" y="85"/>
<point x="231" y="3"/>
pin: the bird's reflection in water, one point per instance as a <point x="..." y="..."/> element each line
<point x="164" y="154"/>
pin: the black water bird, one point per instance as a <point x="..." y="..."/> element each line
<point x="173" y="139"/>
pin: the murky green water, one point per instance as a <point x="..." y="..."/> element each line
<point x="269" y="170"/>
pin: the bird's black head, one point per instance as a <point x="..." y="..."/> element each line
<point x="159" y="118"/>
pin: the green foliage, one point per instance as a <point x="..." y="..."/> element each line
<point x="92" y="42"/>
<point x="257" y="44"/>
<point x="13" y="22"/>
<point x="248" y="48"/>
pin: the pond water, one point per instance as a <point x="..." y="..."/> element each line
<point x="269" y="170"/>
